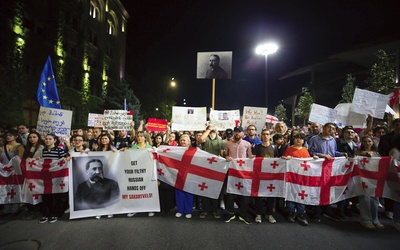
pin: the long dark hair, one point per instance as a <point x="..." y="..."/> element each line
<point x="56" y="140"/>
<point x="29" y="145"/>
<point x="108" y="146"/>
<point x="373" y="147"/>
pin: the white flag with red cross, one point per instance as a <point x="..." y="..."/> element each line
<point x="372" y="172"/>
<point x="319" y="181"/>
<point x="257" y="177"/>
<point x="192" y="170"/>
<point x="45" y="177"/>
<point x="11" y="180"/>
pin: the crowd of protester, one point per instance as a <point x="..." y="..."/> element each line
<point x="314" y="140"/>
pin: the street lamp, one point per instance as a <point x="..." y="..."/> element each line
<point x="171" y="84"/>
<point x="265" y="50"/>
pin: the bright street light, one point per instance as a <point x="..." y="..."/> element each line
<point x="265" y="50"/>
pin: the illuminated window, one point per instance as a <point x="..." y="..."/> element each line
<point x="111" y="27"/>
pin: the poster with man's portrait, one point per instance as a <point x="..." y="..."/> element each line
<point x="104" y="183"/>
<point x="214" y="65"/>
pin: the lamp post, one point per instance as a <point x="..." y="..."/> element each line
<point x="171" y="84"/>
<point x="265" y="50"/>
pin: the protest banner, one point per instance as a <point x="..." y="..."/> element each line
<point x="257" y="177"/>
<point x="188" y="118"/>
<point x="57" y="121"/>
<point x="368" y="102"/>
<point x="117" y="120"/>
<point x="103" y="183"/>
<point x="346" y="117"/>
<point x="254" y="116"/>
<point x="321" y="114"/>
<point x="95" y="120"/>
<point x="156" y="125"/>
<point x="224" y="119"/>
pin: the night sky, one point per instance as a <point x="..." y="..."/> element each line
<point x="165" y="36"/>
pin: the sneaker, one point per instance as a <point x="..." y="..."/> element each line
<point x="67" y="211"/>
<point x="397" y="226"/>
<point x="379" y="225"/>
<point x="389" y="215"/>
<point x="317" y="218"/>
<point x="331" y="216"/>
<point x="228" y="217"/>
<point x="43" y="220"/>
<point x="130" y="214"/>
<point x="222" y="204"/>
<point x="53" y="219"/>
<point x="235" y="205"/>
<point x="216" y="215"/>
<point x="271" y="219"/>
<point x="291" y="218"/>
<point x="302" y="220"/>
<point x="178" y="215"/>
<point x="258" y="218"/>
<point x="110" y="216"/>
<point x="368" y="225"/>
<point x="203" y="215"/>
<point x="245" y="220"/>
<point x="98" y="217"/>
<point x="188" y="216"/>
<point x="151" y="214"/>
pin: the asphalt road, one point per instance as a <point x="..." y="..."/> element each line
<point x="168" y="232"/>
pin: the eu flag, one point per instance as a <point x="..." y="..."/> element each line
<point x="47" y="93"/>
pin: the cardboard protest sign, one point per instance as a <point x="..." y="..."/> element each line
<point x="117" y="120"/>
<point x="157" y="125"/>
<point x="321" y="114"/>
<point x="188" y="118"/>
<point x="224" y="119"/>
<point x="254" y="116"/>
<point x="346" y="117"/>
<point x="95" y="120"/>
<point x="368" y="102"/>
<point x="57" y="121"/>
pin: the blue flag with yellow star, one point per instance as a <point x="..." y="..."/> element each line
<point x="47" y="93"/>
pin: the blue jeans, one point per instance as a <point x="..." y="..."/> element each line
<point x="294" y="207"/>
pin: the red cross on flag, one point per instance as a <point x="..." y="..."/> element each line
<point x="320" y="181"/>
<point x="391" y="189"/>
<point x="192" y="170"/>
<point x="257" y="177"/>
<point x="45" y="177"/>
<point x="271" y="119"/>
<point x="373" y="172"/>
<point x="11" y="180"/>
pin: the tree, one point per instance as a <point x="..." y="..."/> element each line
<point x="382" y="78"/>
<point x="303" y="107"/>
<point x="348" y="89"/>
<point x="280" y="112"/>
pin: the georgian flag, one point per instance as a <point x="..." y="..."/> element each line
<point x="11" y="180"/>
<point x="192" y="170"/>
<point x="45" y="177"/>
<point x="257" y="177"/>
<point x="319" y="181"/>
<point x="391" y="188"/>
<point x="373" y="172"/>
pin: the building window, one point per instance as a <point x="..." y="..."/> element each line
<point x="94" y="11"/>
<point x="111" y="27"/>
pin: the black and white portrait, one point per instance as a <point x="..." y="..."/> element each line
<point x="214" y="65"/>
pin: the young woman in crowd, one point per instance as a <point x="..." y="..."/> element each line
<point x="53" y="205"/>
<point x="106" y="144"/>
<point x="368" y="206"/>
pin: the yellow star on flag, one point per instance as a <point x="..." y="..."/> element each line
<point x="50" y="101"/>
<point x="45" y="97"/>
<point x="57" y="102"/>
<point x="48" y="78"/>
<point x="42" y="90"/>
